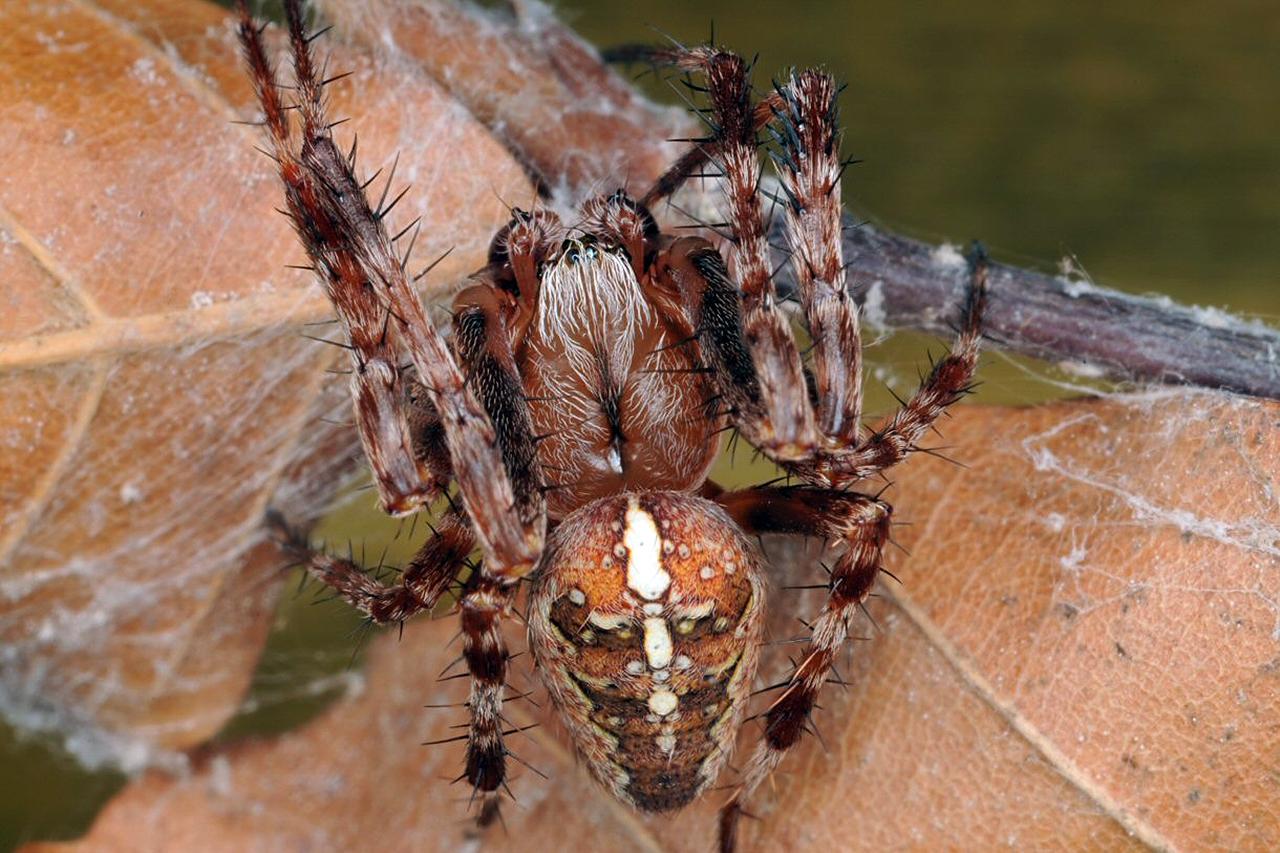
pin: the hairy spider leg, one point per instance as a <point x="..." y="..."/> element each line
<point x="805" y="119"/>
<point x="809" y="166"/>
<point x="777" y="417"/>
<point x="348" y="244"/>
<point x="861" y="524"/>
<point x="326" y="231"/>
<point x="950" y="378"/>
<point x="431" y="573"/>
<point x="489" y="447"/>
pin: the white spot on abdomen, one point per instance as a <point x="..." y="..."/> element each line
<point x="662" y="702"/>
<point x="645" y="574"/>
<point x="657" y="643"/>
<point x="608" y="621"/>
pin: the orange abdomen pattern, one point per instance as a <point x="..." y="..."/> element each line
<point x="645" y="622"/>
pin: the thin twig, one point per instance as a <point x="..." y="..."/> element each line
<point x="906" y="283"/>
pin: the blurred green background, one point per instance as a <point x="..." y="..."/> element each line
<point x="1138" y="138"/>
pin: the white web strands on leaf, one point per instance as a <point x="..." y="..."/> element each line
<point x="171" y="397"/>
<point x="1240" y="512"/>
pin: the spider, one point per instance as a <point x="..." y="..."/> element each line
<point x="578" y="406"/>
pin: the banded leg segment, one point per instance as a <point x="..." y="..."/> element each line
<point x="782" y="421"/>
<point x="950" y="379"/>
<point x="862" y="524"/>
<point x="808" y="163"/>
<point x="404" y="483"/>
<point x="431" y="573"/>
<point x="427" y="577"/>
<point x="484" y="604"/>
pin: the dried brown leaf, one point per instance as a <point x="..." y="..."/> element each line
<point x="157" y="394"/>
<point x="523" y="73"/>
<point x="1084" y="654"/>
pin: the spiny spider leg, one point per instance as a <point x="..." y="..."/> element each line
<point x="765" y="383"/>
<point x="862" y="524"/>
<point x="427" y="577"/>
<point x="483" y="603"/>
<point x="327" y="233"/>
<point x="704" y="150"/>
<point x="808" y="163"/>
<point x="702" y="153"/>
<point x="809" y="169"/>
<point x="489" y="446"/>
<point x="779" y="420"/>
<point x="949" y="379"/>
<point x="349" y="246"/>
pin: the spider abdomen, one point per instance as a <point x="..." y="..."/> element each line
<point x="645" y="622"/>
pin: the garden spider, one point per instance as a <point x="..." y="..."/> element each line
<point x="578" y="407"/>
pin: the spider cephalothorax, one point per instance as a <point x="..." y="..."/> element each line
<point x="593" y="364"/>
<point x="596" y="354"/>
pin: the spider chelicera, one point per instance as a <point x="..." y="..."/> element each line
<point x="578" y="406"/>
